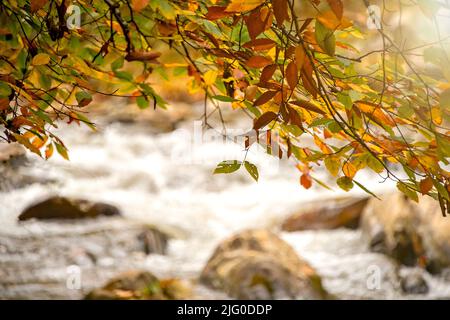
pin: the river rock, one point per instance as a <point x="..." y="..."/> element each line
<point x="329" y="214"/>
<point x="414" y="283"/>
<point x="66" y="208"/>
<point x="411" y="233"/>
<point x="140" y="285"/>
<point x="257" y="264"/>
<point x="11" y="151"/>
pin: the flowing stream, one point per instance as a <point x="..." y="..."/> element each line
<point x="166" y="181"/>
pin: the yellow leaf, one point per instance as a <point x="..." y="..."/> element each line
<point x="210" y="77"/>
<point x="243" y="5"/>
<point x="40" y="59"/>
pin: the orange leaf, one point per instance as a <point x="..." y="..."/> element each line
<point x="138" y="5"/>
<point x="426" y="185"/>
<point x="292" y="75"/>
<point x="306" y="181"/>
<point x="243" y="5"/>
<point x="349" y="170"/>
<point x="49" y="151"/>
<point x="258" y="62"/>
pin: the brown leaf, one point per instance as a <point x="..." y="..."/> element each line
<point x="217" y="12"/>
<point x="308" y="82"/>
<point x="37" y="4"/>
<point x="337" y="7"/>
<point x="280" y="10"/>
<point x="292" y="75"/>
<point x="300" y="56"/>
<point x="264" y="120"/>
<point x="258" y="62"/>
<point x="143" y="56"/>
<point x="308" y="106"/>
<point x="267" y="73"/>
<point x="265" y="97"/>
<point x="426" y="185"/>
<point x="295" y="117"/>
<point x="260" y="44"/>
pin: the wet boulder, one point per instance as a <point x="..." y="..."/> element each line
<point x="329" y="214"/>
<point x="257" y="264"/>
<point x="141" y="285"/>
<point x="414" y="234"/>
<point x="66" y="208"/>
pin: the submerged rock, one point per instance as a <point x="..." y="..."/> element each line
<point x="411" y="233"/>
<point x="333" y="214"/>
<point x="66" y="208"/>
<point x="257" y="264"/>
<point x="140" y="285"/>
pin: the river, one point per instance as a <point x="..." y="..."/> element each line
<point x="162" y="179"/>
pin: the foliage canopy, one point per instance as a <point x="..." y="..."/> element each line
<point x="296" y="74"/>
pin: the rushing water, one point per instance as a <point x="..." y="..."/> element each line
<point x="155" y="179"/>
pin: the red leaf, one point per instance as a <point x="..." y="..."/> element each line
<point x="337" y="7"/>
<point x="267" y="73"/>
<point x="280" y="10"/>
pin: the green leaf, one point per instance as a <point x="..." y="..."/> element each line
<point x="345" y="183"/>
<point x="365" y="189"/>
<point x="333" y="165"/>
<point x="228" y="166"/>
<point x="252" y="170"/>
<point x="325" y="38"/>
<point x="62" y="150"/>
<point x="224" y="98"/>
<point x="83" y="98"/>
<point x="142" y="102"/>
<point x="5" y="90"/>
<point x="411" y="194"/>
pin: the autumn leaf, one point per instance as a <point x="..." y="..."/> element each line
<point x="306" y="181"/>
<point x="280" y="10"/>
<point x="292" y="75"/>
<point x="426" y="185"/>
<point x="148" y="56"/>
<point x="337" y="7"/>
<point x="138" y="5"/>
<point x="264" y="120"/>
<point x="264" y="98"/>
<point x="260" y="44"/>
<point x="345" y="183"/>
<point x="40" y="59"/>
<point x="217" y="12"/>
<point x="37" y="4"/>
<point x="268" y="72"/>
<point x="308" y="106"/>
<point x="243" y="5"/>
<point x="258" y="62"/>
